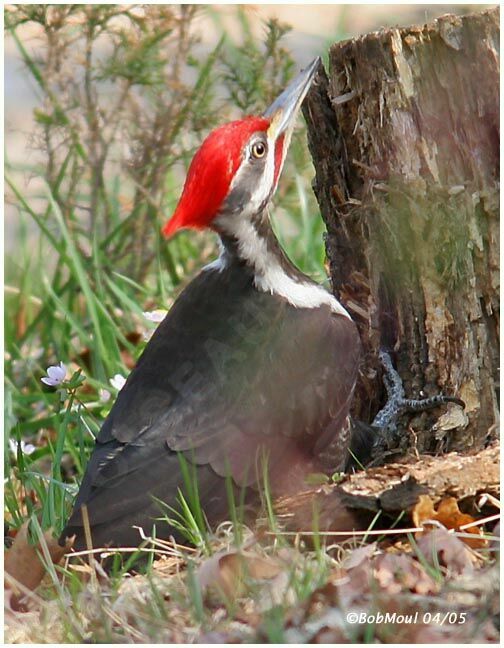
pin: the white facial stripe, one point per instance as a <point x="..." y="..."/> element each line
<point x="271" y="277"/>
<point x="263" y="188"/>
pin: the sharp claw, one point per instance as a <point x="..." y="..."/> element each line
<point x="457" y="401"/>
<point x="420" y="405"/>
<point x="397" y="404"/>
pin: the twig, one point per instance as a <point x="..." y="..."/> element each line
<point x="484" y="520"/>
<point x="487" y="497"/>
<point x="490" y="518"/>
<point x="346" y="533"/>
<point x="109" y="551"/>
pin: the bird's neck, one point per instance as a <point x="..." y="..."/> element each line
<point x="252" y="244"/>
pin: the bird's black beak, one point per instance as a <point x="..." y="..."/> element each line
<point x="284" y="109"/>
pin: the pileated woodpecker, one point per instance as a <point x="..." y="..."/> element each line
<point x="253" y="357"/>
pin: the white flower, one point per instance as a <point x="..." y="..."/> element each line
<point x="55" y="375"/>
<point x="157" y="315"/>
<point x="118" y="382"/>
<point x="104" y="395"/>
<point x="26" y="448"/>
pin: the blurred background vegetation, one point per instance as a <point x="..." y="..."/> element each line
<point x="105" y="107"/>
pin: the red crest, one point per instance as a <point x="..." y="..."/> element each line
<point x="211" y="172"/>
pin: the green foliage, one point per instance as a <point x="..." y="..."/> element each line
<point x="254" y="73"/>
<point x="188" y="518"/>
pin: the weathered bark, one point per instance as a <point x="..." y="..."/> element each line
<point x="393" y="489"/>
<point x="404" y="134"/>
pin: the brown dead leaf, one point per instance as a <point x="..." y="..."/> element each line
<point x="218" y="637"/>
<point x="450" y="516"/>
<point x="328" y="635"/>
<point x="84" y="358"/>
<point x="21" y="317"/>
<point x="357" y="556"/>
<point x="355" y="585"/>
<point x="446" y="549"/>
<point x="228" y="572"/>
<point x="23" y="564"/>
<point x="423" y="510"/>
<point x="400" y="572"/>
<point x="134" y="338"/>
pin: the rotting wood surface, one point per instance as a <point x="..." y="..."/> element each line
<point x="404" y="134"/>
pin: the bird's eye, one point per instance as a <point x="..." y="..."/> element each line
<point x="258" y="150"/>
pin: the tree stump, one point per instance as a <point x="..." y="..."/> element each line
<point x="404" y="134"/>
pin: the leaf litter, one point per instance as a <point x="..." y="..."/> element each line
<point x="272" y="591"/>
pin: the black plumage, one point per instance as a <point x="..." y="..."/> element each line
<point x="231" y="370"/>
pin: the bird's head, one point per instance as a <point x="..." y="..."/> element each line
<point x="236" y="170"/>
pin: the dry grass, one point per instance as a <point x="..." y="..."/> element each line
<point x="270" y="591"/>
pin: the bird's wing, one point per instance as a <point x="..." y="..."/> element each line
<point x="225" y="375"/>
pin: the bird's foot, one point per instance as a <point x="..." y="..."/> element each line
<point x="385" y="421"/>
